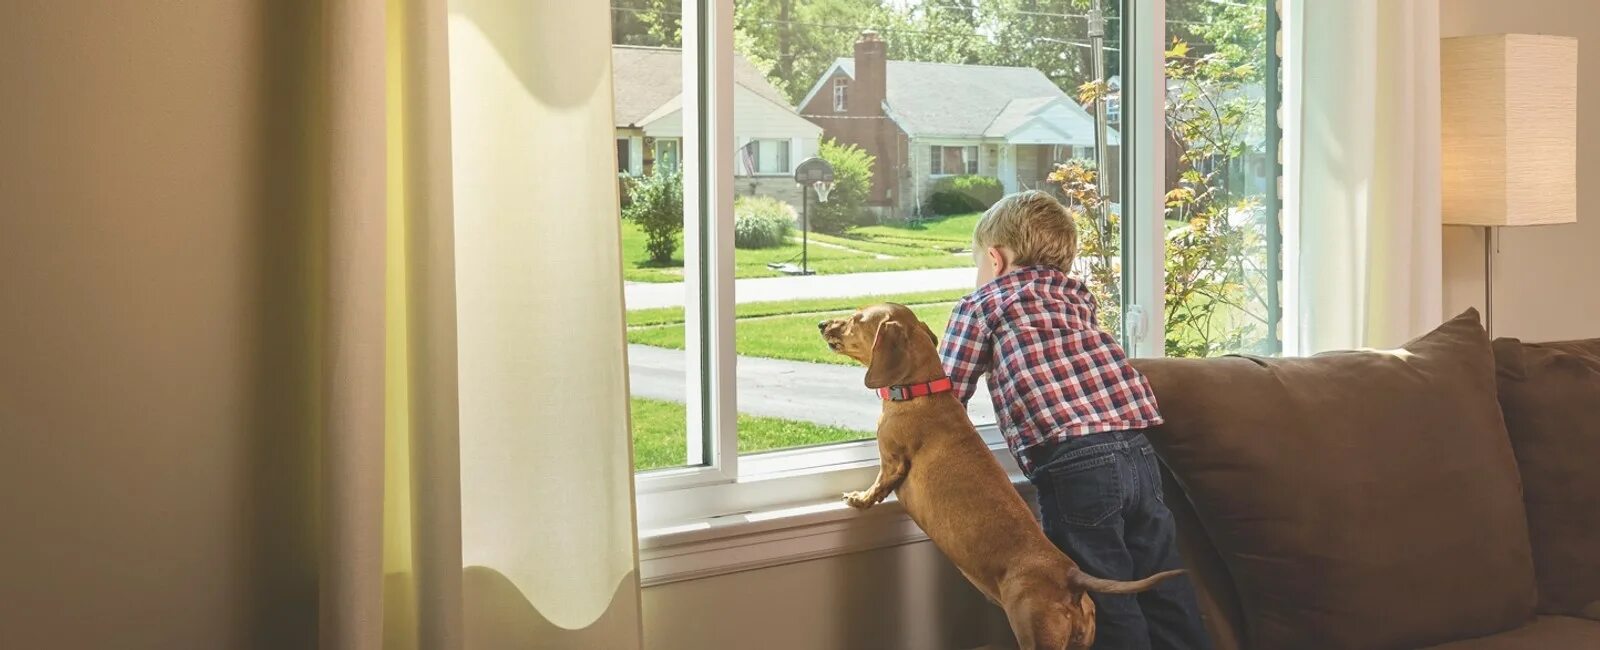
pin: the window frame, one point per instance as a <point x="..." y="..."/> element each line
<point x="786" y="159"/>
<point x="718" y="483"/>
<point x="969" y="159"/>
<point x="841" y="94"/>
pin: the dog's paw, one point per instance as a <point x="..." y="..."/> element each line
<point x="858" y="500"/>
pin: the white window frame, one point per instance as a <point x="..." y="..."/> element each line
<point x="969" y="159"/>
<point x="678" y="143"/>
<point x="722" y="494"/>
<point x="841" y="90"/>
<point x="755" y="145"/>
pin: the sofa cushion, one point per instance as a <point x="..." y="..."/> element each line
<point x="1358" y="499"/>
<point x="1544" y="633"/>
<point x="1550" y="394"/>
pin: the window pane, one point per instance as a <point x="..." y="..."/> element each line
<point x="936" y="89"/>
<point x="1221" y="244"/>
<point x="648" y="68"/>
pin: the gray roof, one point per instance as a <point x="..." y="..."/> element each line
<point x="645" y="78"/>
<point x="949" y="99"/>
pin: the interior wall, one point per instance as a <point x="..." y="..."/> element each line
<point x="155" y="338"/>
<point x="1544" y="275"/>
<point x="898" y="598"/>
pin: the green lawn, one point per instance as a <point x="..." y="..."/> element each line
<point x="674" y="315"/>
<point x="792" y="336"/>
<point x="951" y="233"/>
<point x="659" y="434"/>
<point x="926" y="246"/>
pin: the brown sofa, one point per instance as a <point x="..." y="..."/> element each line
<point x="1445" y="495"/>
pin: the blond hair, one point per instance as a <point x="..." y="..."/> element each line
<point x="1033" y="226"/>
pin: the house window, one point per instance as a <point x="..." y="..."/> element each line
<point x="733" y="386"/>
<point x="624" y="151"/>
<point x="667" y="155"/>
<point x="765" y="157"/>
<point x="948" y="160"/>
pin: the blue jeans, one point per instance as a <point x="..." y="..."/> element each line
<point x="1102" y="505"/>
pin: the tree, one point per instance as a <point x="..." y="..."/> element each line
<point x="795" y="41"/>
<point x="655" y="23"/>
<point x="852" y="180"/>
<point x="655" y="203"/>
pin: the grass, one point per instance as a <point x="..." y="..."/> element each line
<point x="659" y="434"/>
<point x="791" y="336"/>
<point x="924" y="246"/>
<point x="949" y="233"/>
<point x="674" y="315"/>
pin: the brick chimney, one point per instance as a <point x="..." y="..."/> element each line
<point x="867" y="93"/>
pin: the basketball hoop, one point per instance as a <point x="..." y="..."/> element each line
<point x="822" y="188"/>
<point x="818" y="174"/>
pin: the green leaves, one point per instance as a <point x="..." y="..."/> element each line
<point x="655" y="202"/>
<point x="852" y="180"/>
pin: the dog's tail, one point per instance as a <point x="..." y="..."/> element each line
<point x="1081" y="581"/>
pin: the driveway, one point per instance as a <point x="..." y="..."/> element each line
<point x="812" y="392"/>
<point x="644" y="295"/>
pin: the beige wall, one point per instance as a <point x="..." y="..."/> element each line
<point x="155" y="411"/>
<point x="899" y="598"/>
<point x="1545" y="280"/>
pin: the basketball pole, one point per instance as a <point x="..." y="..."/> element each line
<point x="805" y="231"/>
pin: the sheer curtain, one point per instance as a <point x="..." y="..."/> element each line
<point x="1363" y="264"/>
<point x="476" y="483"/>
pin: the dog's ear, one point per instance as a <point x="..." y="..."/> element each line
<point x="931" y="337"/>
<point x="889" y="359"/>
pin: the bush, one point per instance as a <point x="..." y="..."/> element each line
<point x="852" y="180"/>
<point x="655" y="202"/>
<point x="963" y="194"/>
<point x="761" y="222"/>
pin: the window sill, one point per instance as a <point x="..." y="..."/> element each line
<point x="703" y="547"/>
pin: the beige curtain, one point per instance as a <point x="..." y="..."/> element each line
<point x="476" y="470"/>
<point x="1364" y="266"/>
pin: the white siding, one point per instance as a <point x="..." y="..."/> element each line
<point x="755" y="116"/>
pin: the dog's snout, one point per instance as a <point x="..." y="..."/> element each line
<point x="822" y="326"/>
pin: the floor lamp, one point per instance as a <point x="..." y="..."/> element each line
<point x="1509" y="111"/>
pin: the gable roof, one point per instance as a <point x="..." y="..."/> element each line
<point x="646" y="79"/>
<point x="952" y="99"/>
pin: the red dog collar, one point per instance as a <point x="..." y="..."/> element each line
<point x="912" y="391"/>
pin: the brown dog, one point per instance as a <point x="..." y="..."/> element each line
<point x="951" y="485"/>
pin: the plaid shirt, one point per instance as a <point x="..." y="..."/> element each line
<point x="1053" y="373"/>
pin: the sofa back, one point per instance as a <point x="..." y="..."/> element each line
<point x="1352" y="500"/>
<point x="1550" y="395"/>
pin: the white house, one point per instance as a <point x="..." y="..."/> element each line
<point x="925" y="121"/>
<point x="771" y="137"/>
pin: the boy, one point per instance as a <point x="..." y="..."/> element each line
<point x="1072" y="411"/>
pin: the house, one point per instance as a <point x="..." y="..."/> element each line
<point x="926" y="121"/>
<point x="772" y="138"/>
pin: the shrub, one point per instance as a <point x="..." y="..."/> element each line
<point x="963" y="194"/>
<point x="761" y="222"/>
<point x="852" y="180"/>
<point x="655" y="202"/>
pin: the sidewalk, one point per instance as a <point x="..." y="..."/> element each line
<point x="643" y="295"/>
<point x="812" y="392"/>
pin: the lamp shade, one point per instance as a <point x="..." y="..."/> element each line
<point x="1509" y="106"/>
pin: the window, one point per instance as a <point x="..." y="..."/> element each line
<point x="765" y="157"/>
<point x="737" y="400"/>
<point x="947" y="160"/>
<point x="623" y="156"/>
<point x="1223" y="241"/>
<point x="667" y="157"/>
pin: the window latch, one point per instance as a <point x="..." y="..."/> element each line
<point x="1135" y="317"/>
